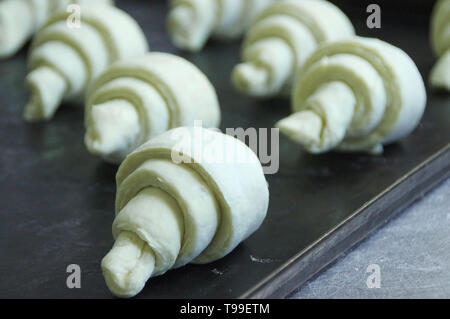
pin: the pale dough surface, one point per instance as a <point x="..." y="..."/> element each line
<point x="138" y="99"/>
<point x="73" y="57"/>
<point x="193" y="211"/>
<point x="280" y="40"/>
<point x="440" y="33"/>
<point x="380" y="99"/>
<point x="20" y="19"/>
<point x="192" y="22"/>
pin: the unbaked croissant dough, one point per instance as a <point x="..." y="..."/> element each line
<point x="440" y="32"/>
<point x="20" y="19"/>
<point x="192" y="22"/>
<point x="63" y="61"/>
<point x="280" y="40"/>
<point x="355" y="95"/>
<point x="138" y="99"/>
<point x="172" y="212"/>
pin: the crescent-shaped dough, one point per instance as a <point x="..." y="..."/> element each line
<point x="188" y="195"/>
<point x="63" y="61"/>
<point x="440" y="37"/>
<point x="136" y="100"/>
<point x="280" y="40"/>
<point x="20" y="19"/>
<point x="355" y="95"/>
<point x="192" y="22"/>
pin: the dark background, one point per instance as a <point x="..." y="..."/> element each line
<point x="57" y="200"/>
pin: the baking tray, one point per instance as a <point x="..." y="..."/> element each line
<point x="57" y="200"/>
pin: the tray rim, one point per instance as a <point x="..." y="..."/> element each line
<point x="292" y="274"/>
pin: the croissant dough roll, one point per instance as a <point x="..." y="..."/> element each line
<point x="355" y="95"/>
<point x="280" y="40"/>
<point x="63" y="61"/>
<point x="20" y="19"/>
<point x="172" y="212"/>
<point x="192" y="22"/>
<point x="440" y="33"/>
<point x="138" y="99"/>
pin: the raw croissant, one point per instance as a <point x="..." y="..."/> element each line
<point x="440" y="29"/>
<point x="281" y="39"/>
<point x="188" y="195"/>
<point x="355" y="95"/>
<point x="138" y="99"/>
<point x="192" y="22"/>
<point x="63" y="60"/>
<point x="20" y="19"/>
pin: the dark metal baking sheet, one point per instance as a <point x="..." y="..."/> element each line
<point x="56" y="200"/>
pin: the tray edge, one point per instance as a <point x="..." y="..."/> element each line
<point x="354" y="229"/>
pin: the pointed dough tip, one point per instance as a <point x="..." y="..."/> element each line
<point x="440" y="74"/>
<point x="440" y="80"/>
<point x="112" y="128"/>
<point x="47" y="89"/>
<point x="251" y="79"/>
<point x="303" y="127"/>
<point x="128" y="266"/>
<point x="181" y="23"/>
